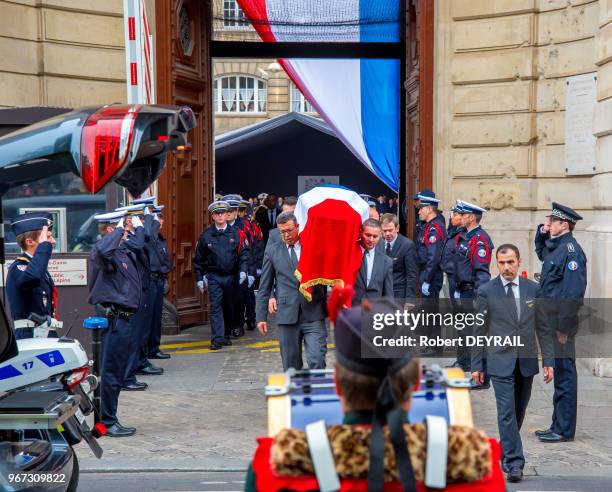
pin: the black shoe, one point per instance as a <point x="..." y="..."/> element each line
<point x="227" y="342"/>
<point x="477" y="387"/>
<point x="216" y="346"/>
<point x="237" y="332"/>
<point x="515" y="474"/>
<point x="116" y="430"/>
<point x="150" y="371"/>
<point x="130" y="429"/>
<point x="159" y="355"/>
<point x="542" y="432"/>
<point x="250" y="326"/>
<point x="137" y="386"/>
<point x="554" y="437"/>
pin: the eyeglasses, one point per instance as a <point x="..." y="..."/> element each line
<point x="287" y="232"/>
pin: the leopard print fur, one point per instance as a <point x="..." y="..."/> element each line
<point x="468" y="453"/>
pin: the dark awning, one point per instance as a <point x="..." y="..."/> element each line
<point x="15" y="118"/>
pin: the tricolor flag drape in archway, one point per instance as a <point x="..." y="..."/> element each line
<point x="358" y="98"/>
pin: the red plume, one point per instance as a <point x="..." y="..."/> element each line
<point x="339" y="298"/>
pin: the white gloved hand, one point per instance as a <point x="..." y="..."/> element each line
<point x="120" y="224"/>
<point x="251" y="281"/>
<point x="202" y="284"/>
<point x="136" y="222"/>
<point x="155" y="217"/>
<point x="147" y="211"/>
<point x="258" y="272"/>
<point x="242" y="277"/>
<point x="425" y="289"/>
<point x="457" y="295"/>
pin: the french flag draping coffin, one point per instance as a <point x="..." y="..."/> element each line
<point x="358" y="98"/>
<point x="330" y="218"/>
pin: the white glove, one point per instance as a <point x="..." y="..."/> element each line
<point x="120" y="224"/>
<point x="242" y="277"/>
<point x="258" y="272"/>
<point x="457" y="295"/>
<point x="251" y="281"/>
<point x="136" y="222"/>
<point x="425" y="289"/>
<point x="155" y="217"/>
<point x="147" y="211"/>
<point x="202" y="284"/>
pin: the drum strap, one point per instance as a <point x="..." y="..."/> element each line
<point x="322" y="458"/>
<point x="437" y="452"/>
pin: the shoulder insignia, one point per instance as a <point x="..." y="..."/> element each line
<point x="570" y="248"/>
<point x="482" y="252"/>
<point x="23" y="258"/>
<point x="572" y="265"/>
<point x="22" y="268"/>
<point x="433" y="238"/>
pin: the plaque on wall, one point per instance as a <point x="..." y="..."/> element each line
<point x="306" y="183"/>
<point x="580" y="100"/>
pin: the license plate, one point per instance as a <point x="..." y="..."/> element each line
<point x="79" y="415"/>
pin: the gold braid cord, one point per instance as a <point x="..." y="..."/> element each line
<point x="315" y="281"/>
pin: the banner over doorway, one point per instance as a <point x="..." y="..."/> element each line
<point x="358" y="98"/>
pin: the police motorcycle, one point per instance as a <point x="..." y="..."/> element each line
<point x="45" y="382"/>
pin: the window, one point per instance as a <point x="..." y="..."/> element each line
<point x="299" y="104"/>
<point x="240" y="94"/>
<point x="233" y="16"/>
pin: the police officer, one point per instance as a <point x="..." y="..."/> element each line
<point x="472" y="261"/>
<point x="29" y="286"/>
<point x="115" y="289"/>
<point x="256" y="253"/>
<point x="562" y="287"/>
<point x="221" y="259"/>
<point x="140" y="322"/>
<point x="429" y="246"/>
<point x="161" y="266"/>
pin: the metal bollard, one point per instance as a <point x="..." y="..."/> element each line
<point x="96" y="324"/>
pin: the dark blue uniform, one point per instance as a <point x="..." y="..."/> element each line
<point x="562" y="287"/>
<point x="30" y="288"/>
<point x="161" y="266"/>
<point x="447" y="261"/>
<point x="220" y="256"/>
<point x="472" y="256"/>
<point x="429" y="254"/>
<point x="114" y="283"/>
<point x="540" y="243"/>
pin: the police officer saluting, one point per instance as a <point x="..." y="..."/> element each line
<point x="562" y="287"/>
<point x="29" y="286"/>
<point x="221" y="258"/>
<point x="115" y="289"/>
<point x="472" y="261"/>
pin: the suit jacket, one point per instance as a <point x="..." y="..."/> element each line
<point x="263" y="220"/>
<point x="500" y="319"/>
<point x="273" y="238"/>
<point x="381" y="281"/>
<point x="403" y="254"/>
<point x="276" y="273"/>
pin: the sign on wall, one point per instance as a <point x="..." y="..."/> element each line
<point x="64" y="271"/>
<point x="580" y="100"/>
<point x="306" y="183"/>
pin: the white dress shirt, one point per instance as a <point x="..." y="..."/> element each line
<point x="515" y="291"/>
<point x="392" y="243"/>
<point x="297" y="247"/>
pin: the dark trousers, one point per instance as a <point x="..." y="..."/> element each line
<point x="154" y="339"/>
<point x="137" y="325"/>
<point x="239" y="302"/>
<point x="431" y="304"/>
<point x="512" y="394"/>
<point x="117" y="344"/>
<point x="314" y="336"/>
<point x="249" y="305"/>
<point x="221" y="290"/>
<point x="565" y="399"/>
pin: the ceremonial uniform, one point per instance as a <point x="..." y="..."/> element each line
<point x="115" y="289"/>
<point x="221" y="259"/>
<point x="29" y="286"/>
<point x="562" y="287"/>
<point x="256" y="251"/>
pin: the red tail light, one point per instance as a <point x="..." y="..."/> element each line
<point x="99" y="430"/>
<point x="105" y="144"/>
<point x="77" y="376"/>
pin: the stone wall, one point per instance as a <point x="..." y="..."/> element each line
<point x="501" y="71"/>
<point x="61" y="52"/>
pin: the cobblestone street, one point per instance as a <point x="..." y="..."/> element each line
<point x="205" y="412"/>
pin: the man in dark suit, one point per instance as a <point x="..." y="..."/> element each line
<point x="297" y="319"/>
<point x="266" y="215"/>
<point x="402" y="252"/>
<point x="507" y="304"/>
<point x="375" y="277"/>
<point x="289" y="205"/>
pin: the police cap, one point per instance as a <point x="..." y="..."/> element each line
<point x="244" y="204"/>
<point x="32" y="221"/>
<point x="424" y="192"/>
<point x="149" y="200"/>
<point x="469" y="208"/>
<point x="110" y="217"/>
<point x="219" y="206"/>
<point x="564" y="213"/>
<point x="368" y="199"/>
<point x="137" y="209"/>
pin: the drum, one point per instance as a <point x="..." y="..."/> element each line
<point x="297" y="398"/>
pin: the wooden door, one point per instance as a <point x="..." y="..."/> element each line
<point x="183" y="31"/>
<point x="419" y="100"/>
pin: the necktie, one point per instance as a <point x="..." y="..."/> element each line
<point x="512" y="299"/>
<point x="293" y="256"/>
<point x="270" y="216"/>
<point x="388" y="249"/>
